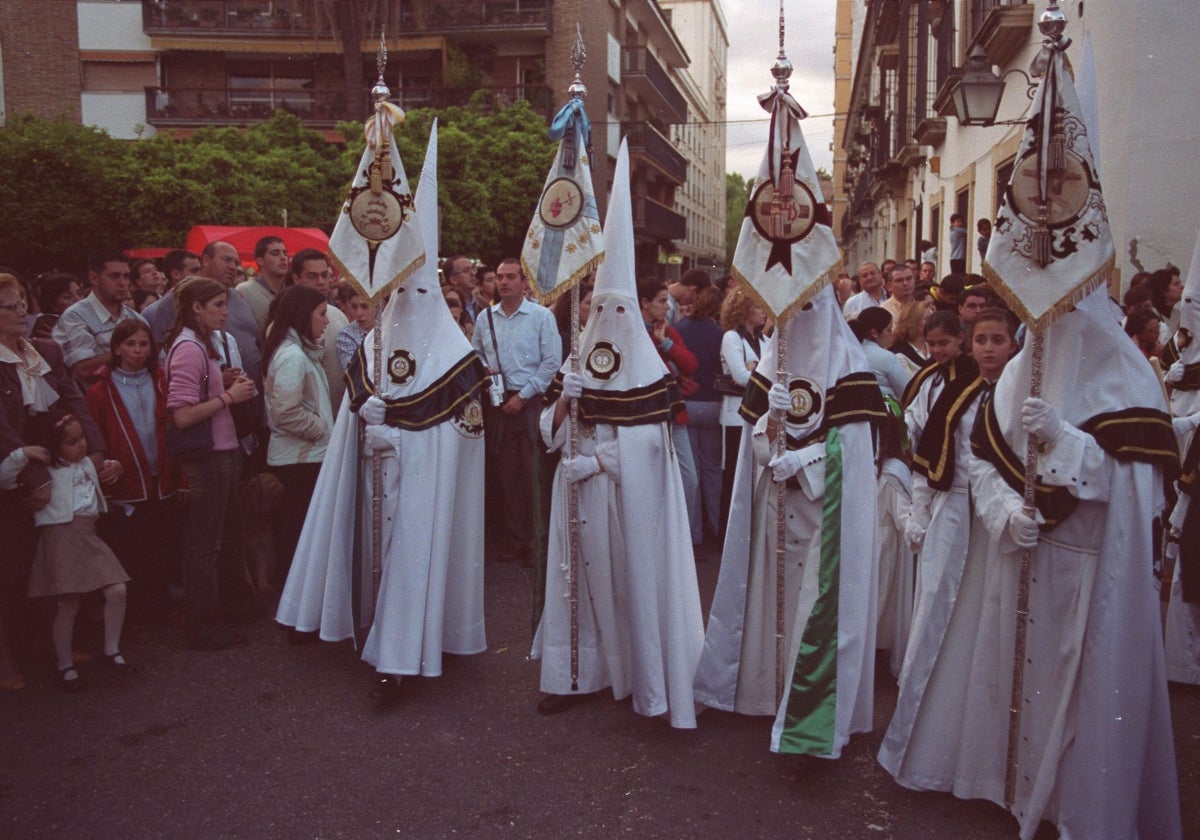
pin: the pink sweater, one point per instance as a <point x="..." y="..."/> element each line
<point x="183" y="387"/>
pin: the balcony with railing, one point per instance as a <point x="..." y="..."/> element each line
<point x="1001" y="27"/>
<point x="196" y="107"/>
<point x="642" y="72"/>
<point x="929" y="128"/>
<point x="304" y="18"/>
<point x="646" y="143"/>
<point x="945" y="36"/>
<point x="657" y="221"/>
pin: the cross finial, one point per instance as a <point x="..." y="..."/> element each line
<point x="381" y="92"/>
<point x="578" y="58"/>
<point x="782" y="68"/>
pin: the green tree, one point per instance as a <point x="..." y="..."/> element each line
<point x="66" y="191"/>
<point x="737" y="193"/>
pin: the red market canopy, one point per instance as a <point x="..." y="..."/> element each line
<point x="245" y="238"/>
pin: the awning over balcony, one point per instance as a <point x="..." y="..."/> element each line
<point x="305" y="46"/>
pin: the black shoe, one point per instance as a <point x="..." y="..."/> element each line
<point x="118" y="663"/>
<point x="71" y="685"/>
<point x="553" y="704"/>
<point x="386" y="690"/>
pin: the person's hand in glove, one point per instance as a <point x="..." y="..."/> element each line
<point x="572" y="386"/>
<point x="1038" y="418"/>
<point x="373" y="411"/>
<point x="779" y="398"/>
<point x="579" y="468"/>
<point x="914" y="533"/>
<point x="610" y="463"/>
<point x="376" y="439"/>
<point x="1174" y="373"/>
<point x="1023" y="529"/>
<point x="786" y="465"/>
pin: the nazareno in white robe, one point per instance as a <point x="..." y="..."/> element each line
<point x="896" y="565"/>
<point x="640" y="624"/>
<point x="1096" y="755"/>
<point x="737" y="668"/>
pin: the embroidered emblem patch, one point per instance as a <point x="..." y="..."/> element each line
<point x="806" y="401"/>
<point x="402" y="367"/>
<point x="604" y="360"/>
<point x="468" y="420"/>
<point x="561" y="203"/>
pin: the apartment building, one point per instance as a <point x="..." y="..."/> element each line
<point x="910" y="164"/>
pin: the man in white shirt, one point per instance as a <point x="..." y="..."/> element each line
<point x="870" y="280"/>
<point x="519" y="340"/>
<point x="901" y="286"/>
<point x="85" y="329"/>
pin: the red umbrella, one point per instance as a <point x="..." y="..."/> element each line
<point x="245" y="238"/>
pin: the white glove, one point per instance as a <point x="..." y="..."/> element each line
<point x="786" y="465"/>
<point x="373" y="411"/>
<point x="606" y="454"/>
<point x="1171" y="552"/>
<point x="779" y="398"/>
<point x="914" y="533"/>
<point x="1174" y="373"/>
<point x="579" y="468"/>
<point x="1023" y="529"/>
<point x="1179" y="512"/>
<point x="1038" y="418"/>
<point x="572" y="386"/>
<point x="376" y="439"/>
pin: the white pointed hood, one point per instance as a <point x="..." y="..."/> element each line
<point x="616" y="353"/>
<point x="421" y="342"/>
<point x="1189" y="309"/>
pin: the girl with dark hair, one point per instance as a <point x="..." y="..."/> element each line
<point x="299" y="411"/>
<point x="71" y="560"/>
<point x="56" y="291"/>
<point x="197" y="396"/>
<point x="873" y="328"/>
<point x="681" y="362"/>
<point x="129" y="403"/>
<point x="1166" y="288"/>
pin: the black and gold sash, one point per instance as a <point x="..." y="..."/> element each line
<point x="960" y="367"/>
<point x="657" y="402"/>
<point x="436" y="404"/>
<point x="855" y="398"/>
<point x="935" y="454"/>
<point x="1132" y="434"/>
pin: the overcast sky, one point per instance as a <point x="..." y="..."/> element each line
<point x="753" y="45"/>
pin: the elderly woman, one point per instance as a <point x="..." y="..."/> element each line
<point x="32" y="381"/>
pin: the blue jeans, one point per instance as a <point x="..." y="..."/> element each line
<point x="691" y="484"/>
<point x="704" y="431"/>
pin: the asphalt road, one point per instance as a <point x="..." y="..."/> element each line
<point x="273" y="740"/>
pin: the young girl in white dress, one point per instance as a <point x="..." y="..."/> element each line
<point x="71" y="560"/>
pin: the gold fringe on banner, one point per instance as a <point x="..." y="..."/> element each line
<point x="1064" y="305"/>
<point x="566" y="285"/>
<point x="387" y="287"/>
<point x="821" y="282"/>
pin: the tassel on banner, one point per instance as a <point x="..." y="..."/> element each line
<point x="782" y="198"/>
<point x="568" y="148"/>
<point x="1056" y="155"/>
<point x="1041" y="238"/>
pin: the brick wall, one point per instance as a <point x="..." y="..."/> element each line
<point x="41" y="58"/>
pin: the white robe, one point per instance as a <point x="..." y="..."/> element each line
<point x="640" y="623"/>
<point x="1183" y="619"/>
<point x="1096" y="755"/>
<point x="737" y="669"/>
<point x="896" y="567"/>
<point x="431" y="590"/>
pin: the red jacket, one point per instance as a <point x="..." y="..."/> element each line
<point x="682" y="363"/>
<point x="125" y="446"/>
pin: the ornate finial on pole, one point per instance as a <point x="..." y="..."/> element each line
<point x="381" y="92"/>
<point x="782" y="68"/>
<point x="577" y="89"/>
<point x="1053" y="21"/>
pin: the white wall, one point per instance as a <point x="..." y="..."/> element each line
<point x="107" y="25"/>
<point x="117" y="113"/>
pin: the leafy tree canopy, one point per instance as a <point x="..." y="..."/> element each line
<point x="737" y="193"/>
<point x="69" y="189"/>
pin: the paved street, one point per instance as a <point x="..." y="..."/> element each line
<point x="274" y="740"/>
